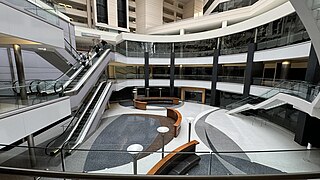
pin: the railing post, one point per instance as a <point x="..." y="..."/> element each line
<point x="62" y="157"/>
<point x="210" y="164"/>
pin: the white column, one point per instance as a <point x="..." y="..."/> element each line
<point x="182" y="31"/>
<point x="224" y="24"/>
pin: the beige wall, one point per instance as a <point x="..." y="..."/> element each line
<point x="149" y="13"/>
<point x="193" y="9"/>
<point x="198" y="8"/>
<point x="112" y="13"/>
<point x="188" y="9"/>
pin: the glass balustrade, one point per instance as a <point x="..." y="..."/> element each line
<point x="231" y="79"/>
<point x="10" y="99"/>
<point x="44" y="14"/>
<point x="299" y="89"/>
<point x="261" y="45"/>
<point x="117" y="160"/>
<point x="233" y="4"/>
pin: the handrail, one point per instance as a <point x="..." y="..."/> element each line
<point x="94" y="113"/>
<point x="86" y="108"/>
<point x="279" y="86"/>
<point x="72" y="49"/>
<point x="251" y="98"/>
<point x="50" y="142"/>
<point x="76" y="175"/>
<point x="88" y="73"/>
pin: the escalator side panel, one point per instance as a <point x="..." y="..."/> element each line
<point x="77" y="99"/>
<point x="97" y="119"/>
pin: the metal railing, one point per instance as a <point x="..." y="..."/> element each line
<point x="299" y="89"/>
<point x="282" y="164"/>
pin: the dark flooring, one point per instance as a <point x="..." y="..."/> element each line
<point x="109" y="148"/>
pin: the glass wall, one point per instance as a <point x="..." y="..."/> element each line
<point x="161" y="72"/>
<point x="126" y="72"/>
<point x="236" y="43"/>
<point x="285" y="116"/>
<point x="194" y="73"/>
<point x="233" y="73"/>
<point x="233" y="4"/>
<point x="284" y="31"/>
<point x="195" y="48"/>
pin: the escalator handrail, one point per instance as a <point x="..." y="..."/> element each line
<point x="85" y="110"/>
<point x="74" y="75"/>
<point x="72" y="49"/>
<point x="90" y="71"/>
<point x="277" y="87"/>
<point x="256" y="97"/>
<point x="93" y="115"/>
<point x="70" y="123"/>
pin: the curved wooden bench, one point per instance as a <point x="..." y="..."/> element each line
<point x="140" y="105"/>
<point x="175" y="114"/>
<point x="172" y="160"/>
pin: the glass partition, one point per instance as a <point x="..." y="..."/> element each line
<point x="109" y="161"/>
<point x="299" y="89"/>
<point x="233" y="4"/>
<point x="36" y="10"/>
<point x="10" y="99"/>
<point x="281" y="32"/>
<point x="236" y="43"/>
<point x="284" y="31"/>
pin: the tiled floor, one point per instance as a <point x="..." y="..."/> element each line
<point x="234" y="133"/>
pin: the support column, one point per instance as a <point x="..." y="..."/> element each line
<point x="89" y="13"/>
<point x="203" y="97"/>
<point x="146" y="71"/>
<point x="214" y="79"/>
<point x="32" y="153"/>
<point x="137" y="72"/>
<point x="13" y="78"/>
<point x="20" y="71"/>
<point x="248" y="71"/>
<point x="307" y="131"/>
<point x="172" y="58"/>
<point x="313" y="69"/>
<point x="182" y="31"/>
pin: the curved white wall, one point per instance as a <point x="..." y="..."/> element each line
<point x="214" y="21"/>
<point x="274" y="14"/>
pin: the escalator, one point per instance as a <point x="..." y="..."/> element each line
<point x="92" y="114"/>
<point x="75" y="134"/>
<point x="85" y="119"/>
<point x="76" y="79"/>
